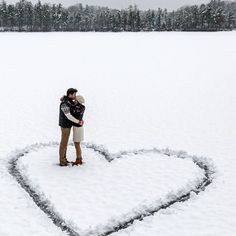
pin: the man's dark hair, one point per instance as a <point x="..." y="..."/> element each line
<point x="71" y="91"/>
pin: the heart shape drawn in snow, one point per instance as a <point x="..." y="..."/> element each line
<point x="110" y="191"/>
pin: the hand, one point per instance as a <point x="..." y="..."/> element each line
<point x="81" y="122"/>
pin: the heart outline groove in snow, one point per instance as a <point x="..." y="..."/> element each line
<point x="57" y="220"/>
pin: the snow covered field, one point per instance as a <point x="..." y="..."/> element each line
<point x="142" y="91"/>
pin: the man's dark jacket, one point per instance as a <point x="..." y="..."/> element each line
<point x="65" y="107"/>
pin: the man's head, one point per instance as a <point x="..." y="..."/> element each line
<point x="71" y="93"/>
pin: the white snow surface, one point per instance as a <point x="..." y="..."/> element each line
<point x="102" y="193"/>
<point x="142" y="90"/>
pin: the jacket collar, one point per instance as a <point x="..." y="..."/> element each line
<point x="67" y="100"/>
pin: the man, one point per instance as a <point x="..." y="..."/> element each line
<point x="66" y="121"/>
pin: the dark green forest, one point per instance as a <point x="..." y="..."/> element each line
<point x="24" y="16"/>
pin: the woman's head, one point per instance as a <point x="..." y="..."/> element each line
<point x="80" y="99"/>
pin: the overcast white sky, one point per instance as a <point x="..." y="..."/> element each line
<point x="142" y="4"/>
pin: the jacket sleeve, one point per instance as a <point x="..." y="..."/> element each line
<point x="66" y="110"/>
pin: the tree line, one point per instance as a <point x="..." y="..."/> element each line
<point x="26" y="16"/>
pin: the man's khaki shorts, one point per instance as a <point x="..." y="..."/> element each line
<point x="78" y="134"/>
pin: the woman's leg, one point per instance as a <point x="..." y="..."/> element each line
<point x="77" y="138"/>
<point x="78" y="154"/>
<point x="78" y="150"/>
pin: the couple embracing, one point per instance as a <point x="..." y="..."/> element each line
<point x="71" y="117"/>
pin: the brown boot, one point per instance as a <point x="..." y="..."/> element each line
<point x="77" y="162"/>
<point x="64" y="163"/>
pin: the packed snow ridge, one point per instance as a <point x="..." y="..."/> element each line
<point x="114" y="225"/>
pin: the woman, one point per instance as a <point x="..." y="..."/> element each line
<point x="77" y="110"/>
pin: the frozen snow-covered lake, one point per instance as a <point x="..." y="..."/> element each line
<point x="142" y="90"/>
